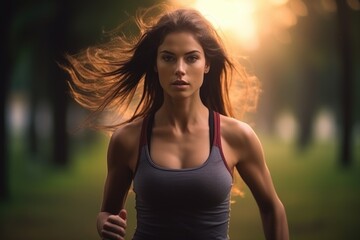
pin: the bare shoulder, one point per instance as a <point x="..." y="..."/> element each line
<point x="127" y="134"/>
<point x="239" y="140"/>
<point x="123" y="145"/>
<point x="236" y="131"/>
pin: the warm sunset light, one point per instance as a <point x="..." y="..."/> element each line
<point x="279" y="2"/>
<point x="245" y="22"/>
<point x="234" y="18"/>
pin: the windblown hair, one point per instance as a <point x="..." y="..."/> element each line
<point x="119" y="75"/>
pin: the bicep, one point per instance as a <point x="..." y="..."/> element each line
<point x="119" y="175"/>
<point x="255" y="173"/>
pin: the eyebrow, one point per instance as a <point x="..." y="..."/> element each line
<point x="171" y="53"/>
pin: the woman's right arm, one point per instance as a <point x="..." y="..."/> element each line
<point x="121" y="156"/>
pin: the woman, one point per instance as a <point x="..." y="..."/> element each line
<point x="181" y="146"/>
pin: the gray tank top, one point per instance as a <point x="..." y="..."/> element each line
<point x="182" y="204"/>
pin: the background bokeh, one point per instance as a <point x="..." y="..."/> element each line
<point x="305" y="53"/>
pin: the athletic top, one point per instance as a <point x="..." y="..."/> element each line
<point x="182" y="204"/>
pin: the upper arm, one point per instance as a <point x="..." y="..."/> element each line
<point x="244" y="152"/>
<point x="121" y="155"/>
<point x="253" y="170"/>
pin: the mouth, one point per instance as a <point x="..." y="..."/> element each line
<point x="180" y="82"/>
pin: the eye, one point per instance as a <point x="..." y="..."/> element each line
<point x="167" y="58"/>
<point x="192" y="58"/>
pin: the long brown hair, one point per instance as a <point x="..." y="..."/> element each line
<point x="119" y="75"/>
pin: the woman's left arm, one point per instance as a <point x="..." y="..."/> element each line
<point x="255" y="173"/>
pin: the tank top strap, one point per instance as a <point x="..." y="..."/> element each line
<point x="147" y="120"/>
<point x="142" y="142"/>
<point x="211" y="127"/>
<point x="217" y="139"/>
<point x="217" y="134"/>
<point x="143" y="134"/>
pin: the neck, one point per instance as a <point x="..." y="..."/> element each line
<point x="182" y="114"/>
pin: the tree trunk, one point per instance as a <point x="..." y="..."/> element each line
<point x="58" y="44"/>
<point x="5" y="67"/>
<point x="346" y="81"/>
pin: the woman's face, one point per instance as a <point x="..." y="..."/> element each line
<point x="181" y="65"/>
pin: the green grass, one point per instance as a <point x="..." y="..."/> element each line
<point x="322" y="200"/>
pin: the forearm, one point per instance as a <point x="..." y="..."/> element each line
<point x="275" y="223"/>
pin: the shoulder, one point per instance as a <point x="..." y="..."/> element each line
<point x="235" y="130"/>
<point x="127" y="133"/>
<point x="240" y="137"/>
<point x="124" y="143"/>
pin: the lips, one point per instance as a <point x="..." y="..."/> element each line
<point x="180" y="82"/>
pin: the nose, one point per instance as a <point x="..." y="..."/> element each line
<point x="180" y="68"/>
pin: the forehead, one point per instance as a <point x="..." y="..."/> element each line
<point x="178" y="42"/>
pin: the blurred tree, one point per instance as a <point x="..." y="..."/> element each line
<point x="313" y="50"/>
<point x="301" y="65"/>
<point x="317" y="41"/>
<point x="296" y="63"/>
<point x="6" y="14"/>
<point x="37" y="34"/>
<point x="346" y="79"/>
<point x="57" y="35"/>
<point x="42" y="32"/>
<point x="30" y="38"/>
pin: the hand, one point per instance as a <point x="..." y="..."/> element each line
<point x="114" y="227"/>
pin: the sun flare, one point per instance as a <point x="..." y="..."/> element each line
<point x="233" y="18"/>
<point x="244" y="22"/>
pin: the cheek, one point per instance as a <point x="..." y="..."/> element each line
<point x="163" y="70"/>
<point x="164" y="75"/>
<point x="199" y="71"/>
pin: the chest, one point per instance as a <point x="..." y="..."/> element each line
<point x="200" y="187"/>
<point x="172" y="150"/>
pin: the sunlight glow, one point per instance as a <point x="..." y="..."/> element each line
<point x="235" y="17"/>
<point x="230" y="17"/>
<point x="245" y="22"/>
<point x="279" y="2"/>
<point x="285" y="17"/>
<point x="298" y="7"/>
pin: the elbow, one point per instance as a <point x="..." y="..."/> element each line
<point x="274" y="210"/>
<point x="279" y="208"/>
<point x="275" y="221"/>
<point x="272" y="207"/>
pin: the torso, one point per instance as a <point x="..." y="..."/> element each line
<point x="188" y="146"/>
<point x="181" y="198"/>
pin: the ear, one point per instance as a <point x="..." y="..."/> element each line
<point x="207" y="68"/>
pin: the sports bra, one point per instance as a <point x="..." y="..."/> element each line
<point x="182" y="204"/>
